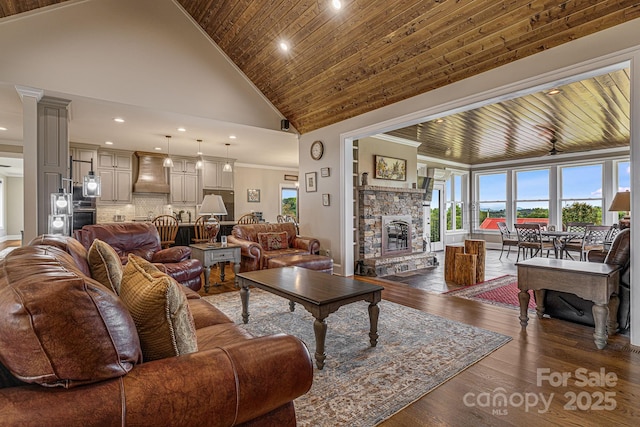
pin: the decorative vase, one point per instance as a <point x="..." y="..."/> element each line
<point x="212" y="228"/>
<point x="365" y="178"/>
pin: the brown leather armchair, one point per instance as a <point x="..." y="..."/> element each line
<point x="256" y="257"/>
<point x="570" y="307"/>
<point x="142" y="239"/>
<point x="82" y="343"/>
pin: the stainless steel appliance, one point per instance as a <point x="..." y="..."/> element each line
<point x="84" y="209"/>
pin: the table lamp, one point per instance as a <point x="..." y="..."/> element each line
<point x="622" y="203"/>
<point x="212" y="204"/>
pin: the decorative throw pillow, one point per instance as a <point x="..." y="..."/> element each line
<point x="105" y="265"/>
<point x="273" y="241"/>
<point x="159" y="309"/>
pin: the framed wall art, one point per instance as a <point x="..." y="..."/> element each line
<point x="311" y="181"/>
<point x="253" y="195"/>
<point x="291" y="177"/>
<point x="325" y="172"/>
<point x="326" y="200"/>
<point x="390" y="168"/>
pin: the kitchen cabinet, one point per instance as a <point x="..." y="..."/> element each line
<point x="114" y="169"/>
<point x="184" y="182"/>
<point x="81" y="169"/>
<point x="213" y="177"/>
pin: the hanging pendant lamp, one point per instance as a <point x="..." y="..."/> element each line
<point x="168" y="163"/>
<point x="227" y="166"/>
<point x="200" y="162"/>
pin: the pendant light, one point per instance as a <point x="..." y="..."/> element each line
<point x="227" y="166"/>
<point x="200" y="162"/>
<point x="168" y="163"/>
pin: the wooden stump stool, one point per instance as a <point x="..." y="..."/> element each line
<point x="450" y="261"/>
<point x="465" y="269"/>
<point x="477" y="247"/>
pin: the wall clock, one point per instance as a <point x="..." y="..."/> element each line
<point x="317" y="150"/>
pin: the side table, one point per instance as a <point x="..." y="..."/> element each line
<point x="210" y="254"/>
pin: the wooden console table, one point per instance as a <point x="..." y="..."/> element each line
<point x="589" y="280"/>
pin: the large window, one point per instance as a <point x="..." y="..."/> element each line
<point x="532" y="196"/>
<point x="582" y="194"/>
<point x="454" y="203"/>
<point x="492" y="200"/>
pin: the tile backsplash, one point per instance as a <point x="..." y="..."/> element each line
<point x="142" y="207"/>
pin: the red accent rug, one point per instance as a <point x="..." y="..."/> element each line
<point x="501" y="291"/>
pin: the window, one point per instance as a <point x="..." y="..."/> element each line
<point x="581" y="193"/>
<point x="289" y="201"/>
<point x="492" y="200"/>
<point x="453" y="203"/>
<point x="532" y="196"/>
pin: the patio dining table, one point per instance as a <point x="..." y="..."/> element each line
<point x="560" y="240"/>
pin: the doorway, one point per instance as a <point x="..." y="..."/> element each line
<point x="435" y="219"/>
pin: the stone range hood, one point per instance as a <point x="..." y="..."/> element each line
<point x="152" y="176"/>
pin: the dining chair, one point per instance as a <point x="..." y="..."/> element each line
<point x="611" y="236"/>
<point x="167" y="226"/>
<point x="508" y="239"/>
<point x="248" y="219"/>
<point x="594" y="239"/>
<point x="281" y="218"/>
<point x="199" y="232"/>
<point x="530" y="238"/>
<point x="575" y="244"/>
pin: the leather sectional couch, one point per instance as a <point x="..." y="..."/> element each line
<point x="142" y="239"/>
<point x="260" y="243"/>
<point x="70" y="354"/>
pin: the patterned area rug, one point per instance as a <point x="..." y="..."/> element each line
<point x="361" y="385"/>
<point x="501" y="291"/>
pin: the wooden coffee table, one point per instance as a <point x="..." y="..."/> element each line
<point x="319" y="293"/>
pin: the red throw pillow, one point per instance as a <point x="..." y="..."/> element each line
<point x="273" y="241"/>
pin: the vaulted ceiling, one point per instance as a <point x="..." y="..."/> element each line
<point x="369" y="54"/>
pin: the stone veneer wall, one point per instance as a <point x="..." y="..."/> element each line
<point x="375" y="201"/>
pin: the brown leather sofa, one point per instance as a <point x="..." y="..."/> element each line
<point x="256" y="257"/>
<point x="142" y="239"/>
<point x="61" y="328"/>
<point x="570" y="307"/>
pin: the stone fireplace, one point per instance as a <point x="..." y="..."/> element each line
<point x="390" y="238"/>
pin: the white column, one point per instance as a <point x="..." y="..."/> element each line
<point x="30" y="98"/>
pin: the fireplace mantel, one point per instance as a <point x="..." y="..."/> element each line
<point x="377" y="188"/>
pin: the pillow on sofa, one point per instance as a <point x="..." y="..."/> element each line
<point x="105" y="265"/>
<point x="273" y="241"/>
<point x="159" y="309"/>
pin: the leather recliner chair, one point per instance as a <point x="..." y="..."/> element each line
<point x="570" y="307"/>
<point x="142" y="239"/>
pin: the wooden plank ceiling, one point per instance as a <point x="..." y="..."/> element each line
<point x="587" y="115"/>
<point x="371" y="54"/>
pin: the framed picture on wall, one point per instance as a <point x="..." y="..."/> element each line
<point x="326" y="200"/>
<point x="390" y="168"/>
<point x="311" y="181"/>
<point x="253" y="195"/>
<point x="325" y="172"/>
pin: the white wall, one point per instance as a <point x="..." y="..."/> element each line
<point x="268" y="182"/>
<point x="15" y="206"/>
<point x="369" y="147"/>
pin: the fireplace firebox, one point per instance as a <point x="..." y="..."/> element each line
<point x="396" y="235"/>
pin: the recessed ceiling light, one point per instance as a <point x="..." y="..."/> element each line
<point x="108" y="142"/>
<point x="232" y="137"/>
<point x="182" y="130"/>
<point x="118" y="120"/>
<point x="158" y="149"/>
<point x="336" y="4"/>
<point x="3" y="128"/>
<point x="284" y="46"/>
<point x="554" y="92"/>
